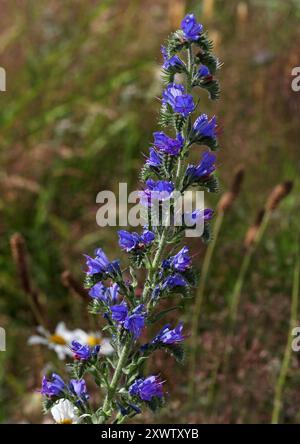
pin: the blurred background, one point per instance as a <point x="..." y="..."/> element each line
<point x="79" y="111"/>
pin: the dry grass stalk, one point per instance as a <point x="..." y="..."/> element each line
<point x="253" y="230"/>
<point x="19" y="254"/>
<point x="228" y="198"/>
<point x="73" y="285"/>
<point x="19" y="182"/>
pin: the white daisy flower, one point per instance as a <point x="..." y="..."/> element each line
<point x="58" y="341"/>
<point x="64" y="412"/>
<point x="93" y="339"/>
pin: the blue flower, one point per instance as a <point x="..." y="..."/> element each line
<point x="175" y="96"/>
<point x="98" y="291"/>
<point x="184" y="105"/>
<point x="203" y="72"/>
<point x="147" y="388"/>
<point x="53" y="387"/>
<point x="172" y="91"/>
<point x="204" y="168"/>
<point x="147" y="237"/>
<point x="171" y="63"/>
<point x="174" y="281"/>
<point x="160" y="190"/>
<point x="133" y="241"/>
<point x="119" y="312"/>
<point x="203" y="127"/>
<point x="135" y="322"/>
<point x="101" y="264"/>
<point x="160" y="186"/>
<point x="154" y="159"/>
<point x="113" y="292"/>
<point x="128" y="241"/>
<point x="195" y="216"/>
<point x="78" y="388"/>
<point x="83" y="352"/>
<point x="181" y="261"/>
<point x="109" y="295"/>
<point x="191" y="29"/>
<point x="168" y="145"/>
<point x="169" y="336"/>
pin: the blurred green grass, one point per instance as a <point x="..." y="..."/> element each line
<point x="79" y="109"/>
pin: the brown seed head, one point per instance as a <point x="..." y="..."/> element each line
<point x="278" y="194"/>
<point x="18" y="249"/>
<point x="228" y="198"/>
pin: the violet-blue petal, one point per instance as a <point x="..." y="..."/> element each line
<point x="191" y="28"/>
<point x="119" y="312"/>
<point x="52" y="387"/>
<point x="147" y="388"/>
<point x="80" y="351"/>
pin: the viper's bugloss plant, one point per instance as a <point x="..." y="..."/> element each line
<point x="188" y="67"/>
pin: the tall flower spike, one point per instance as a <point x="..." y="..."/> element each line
<point x="129" y="301"/>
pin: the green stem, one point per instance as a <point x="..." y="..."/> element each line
<point x="189" y="68"/>
<point x="155" y="263"/>
<point x="199" y="301"/>
<point x="288" y="349"/>
<point x="235" y="296"/>
<point x="106" y="408"/>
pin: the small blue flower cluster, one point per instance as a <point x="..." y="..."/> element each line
<point x="127" y="306"/>
<point x="55" y="387"/>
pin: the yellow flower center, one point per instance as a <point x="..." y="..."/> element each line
<point x="93" y="340"/>
<point x="57" y="339"/>
<point x="66" y="421"/>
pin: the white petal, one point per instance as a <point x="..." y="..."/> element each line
<point x="106" y="348"/>
<point x="61" y="330"/>
<point x="79" y="335"/>
<point x="42" y="331"/>
<point x="63" y="410"/>
<point x="61" y="350"/>
<point x="34" y="340"/>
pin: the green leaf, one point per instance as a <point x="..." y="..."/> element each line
<point x="163" y="313"/>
